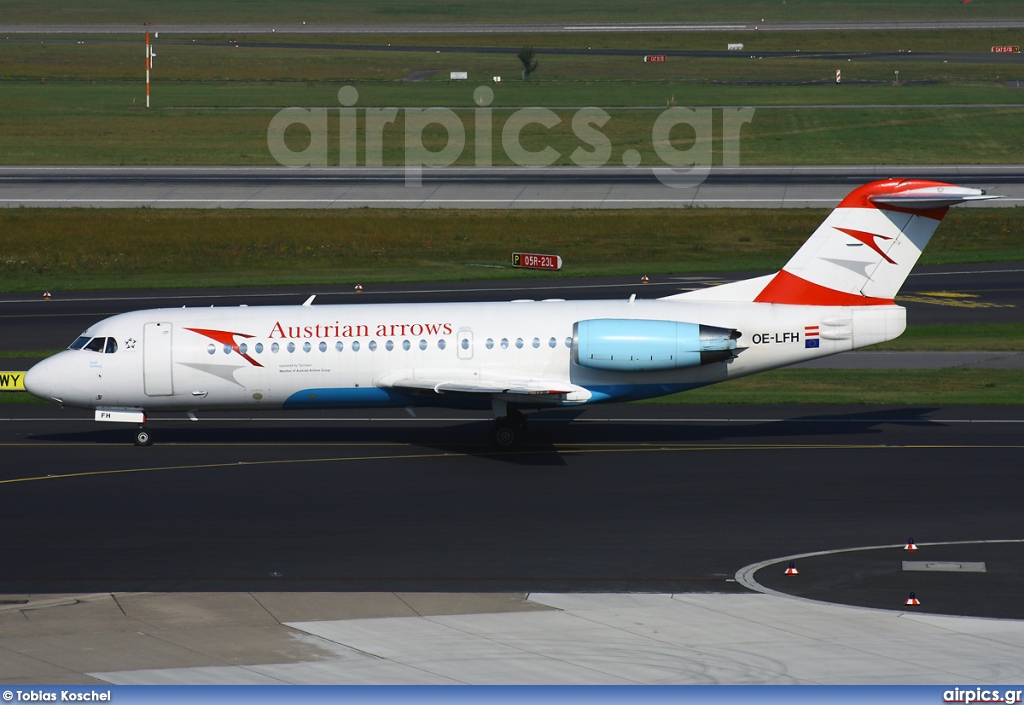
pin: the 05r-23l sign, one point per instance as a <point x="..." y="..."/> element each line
<point x="532" y="261"/>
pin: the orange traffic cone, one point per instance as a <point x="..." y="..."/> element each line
<point x="912" y="600"/>
<point x="911" y="546"/>
<point x="791" y="570"/>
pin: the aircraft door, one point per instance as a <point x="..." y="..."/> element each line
<point x="464" y="344"/>
<point x="156" y="359"/>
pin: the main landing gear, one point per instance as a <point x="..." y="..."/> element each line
<point x="509" y="429"/>
<point x="143" y="437"/>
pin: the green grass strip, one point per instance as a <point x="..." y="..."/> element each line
<point x="970" y="336"/>
<point x="939" y="387"/>
<point x="887" y="387"/>
<point x="76" y="249"/>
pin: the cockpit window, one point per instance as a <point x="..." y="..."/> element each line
<point x="100" y="345"/>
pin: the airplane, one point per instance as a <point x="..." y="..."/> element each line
<point x="835" y="294"/>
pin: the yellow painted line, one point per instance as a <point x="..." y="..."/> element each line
<point x="950" y="298"/>
<point x="12" y="381"/>
<point x="652" y="448"/>
<point x="208" y="466"/>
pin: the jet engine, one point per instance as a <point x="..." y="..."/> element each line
<point x="635" y="345"/>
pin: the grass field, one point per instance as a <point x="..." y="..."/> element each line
<point x="80" y="123"/>
<point x="64" y="249"/>
<point x="62" y="102"/>
<point x="480" y="11"/>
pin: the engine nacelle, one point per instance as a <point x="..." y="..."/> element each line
<point x="635" y="345"/>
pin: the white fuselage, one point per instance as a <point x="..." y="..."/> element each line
<point x="350" y="355"/>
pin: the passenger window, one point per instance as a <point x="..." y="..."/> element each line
<point x="79" y="343"/>
<point x="96" y="344"/>
<point x="111" y="346"/>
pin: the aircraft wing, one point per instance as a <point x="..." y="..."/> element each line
<point x="535" y="389"/>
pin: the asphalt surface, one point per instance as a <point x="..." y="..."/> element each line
<point x="662" y="498"/>
<point x="506" y="28"/>
<point x="666" y="498"/>
<point x="483" y="187"/>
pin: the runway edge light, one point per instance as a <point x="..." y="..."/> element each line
<point x="911" y="546"/>
<point x="791" y="570"/>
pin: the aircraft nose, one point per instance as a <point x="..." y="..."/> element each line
<point x="37" y="380"/>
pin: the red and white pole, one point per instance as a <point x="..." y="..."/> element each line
<point x="149" y="63"/>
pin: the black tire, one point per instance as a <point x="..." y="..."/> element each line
<point x="143" y="437"/>
<point x="518" y="419"/>
<point x="506" y="433"/>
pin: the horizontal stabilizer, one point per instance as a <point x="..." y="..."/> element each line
<point x="931" y="197"/>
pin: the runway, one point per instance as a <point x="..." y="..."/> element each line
<point x="497" y="187"/>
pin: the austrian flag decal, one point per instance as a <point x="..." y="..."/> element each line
<point x="810" y="336"/>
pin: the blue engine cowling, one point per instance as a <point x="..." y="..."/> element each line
<point x="635" y="345"/>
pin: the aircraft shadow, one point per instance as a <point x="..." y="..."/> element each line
<point x="548" y="434"/>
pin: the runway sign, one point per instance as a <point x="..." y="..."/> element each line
<point x="1006" y="50"/>
<point x="12" y="381"/>
<point x="654" y="59"/>
<point x="531" y="261"/>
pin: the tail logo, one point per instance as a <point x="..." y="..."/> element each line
<point x="869" y="240"/>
